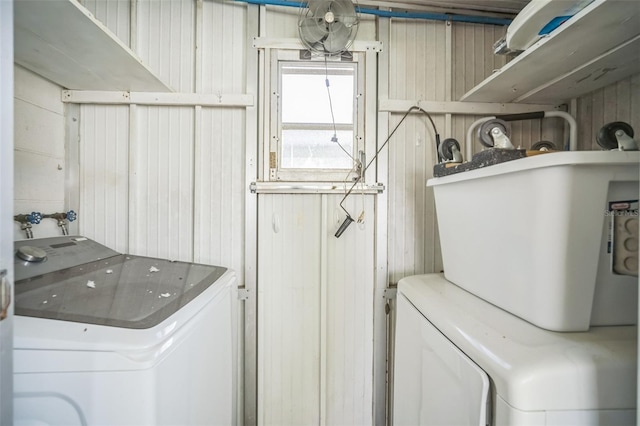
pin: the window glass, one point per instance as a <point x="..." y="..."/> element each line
<point x="317" y="120"/>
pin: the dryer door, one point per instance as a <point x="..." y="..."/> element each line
<point x="435" y="383"/>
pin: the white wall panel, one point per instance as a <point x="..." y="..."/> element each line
<point x="166" y="40"/>
<point x="114" y="14"/>
<point x="413" y="247"/>
<point x="289" y="309"/>
<point x="223" y="42"/>
<point x="161" y="214"/>
<point x="617" y="102"/>
<point x="417" y="60"/>
<point x="103" y="213"/>
<point x="473" y="58"/>
<point x="281" y="22"/>
<point x="349" y="313"/>
<point x="417" y="70"/>
<point x="315" y="305"/>
<point x="39" y="159"/>
<point x="220" y="189"/>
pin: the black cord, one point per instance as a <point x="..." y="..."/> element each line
<point x="333" y="120"/>
<point x="380" y="149"/>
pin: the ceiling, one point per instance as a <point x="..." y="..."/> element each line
<point x="498" y="8"/>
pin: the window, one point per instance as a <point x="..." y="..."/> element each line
<point x="317" y="131"/>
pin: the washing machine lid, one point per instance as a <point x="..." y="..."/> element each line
<point x="121" y="291"/>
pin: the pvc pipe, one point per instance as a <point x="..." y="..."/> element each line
<point x="573" y="127"/>
<point x="437" y="16"/>
<point x="395" y="14"/>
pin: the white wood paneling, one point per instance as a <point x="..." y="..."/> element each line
<point x="315" y="305"/>
<point x="104" y="175"/>
<point x="289" y="244"/>
<point x="412" y="228"/>
<point x="223" y="42"/>
<point x="349" y="313"/>
<point x="473" y="58"/>
<point x="281" y="22"/>
<point x="39" y="156"/>
<point x="416" y="71"/>
<point x="219" y="189"/>
<point x="417" y="68"/>
<point x="166" y="40"/>
<point x="114" y="14"/>
<point x="617" y="102"/>
<point x="161" y="219"/>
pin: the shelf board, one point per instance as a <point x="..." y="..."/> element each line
<point x="62" y="41"/>
<point x="598" y="46"/>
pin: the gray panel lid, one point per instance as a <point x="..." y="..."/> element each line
<point x="121" y="291"/>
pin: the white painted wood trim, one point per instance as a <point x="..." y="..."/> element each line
<point x="312" y="188"/>
<point x="381" y="369"/>
<point x="462" y="108"/>
<point x="157" y="98"/>
<point x="295" y="43"/>
<point x="252" y="144"/>
<point x="72" y="165"/>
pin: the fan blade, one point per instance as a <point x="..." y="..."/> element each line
<point x="344" y="12"/>
<point x="319" y="8"/>
<point x="312" y="30"/>
<point x="338" y="38"/>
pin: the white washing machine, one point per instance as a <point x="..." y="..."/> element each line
<point x="102" y="338"/>
<point x="462" y="361"/>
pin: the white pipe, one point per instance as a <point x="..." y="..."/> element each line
<point x="469" y="140"/>
<point x="573" y="130"/>
<point x="573" y="127"/>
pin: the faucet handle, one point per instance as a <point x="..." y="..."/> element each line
<point x="71" y="215"/>
<point x="34" y="218"/>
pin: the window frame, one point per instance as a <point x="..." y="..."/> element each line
<point x="276" y="171"/>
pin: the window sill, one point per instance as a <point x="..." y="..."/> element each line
<point x="313" y="188"/>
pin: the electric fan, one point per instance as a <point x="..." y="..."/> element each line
<point x="328" y="26"/>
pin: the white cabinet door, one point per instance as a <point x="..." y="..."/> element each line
<point x="435" y="383"/>
<point x="315" y="311"/>
<point x="6" y="211"/>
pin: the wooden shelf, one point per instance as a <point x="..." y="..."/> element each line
<point x="62" y="41"/>
<point x="598" y="46"/>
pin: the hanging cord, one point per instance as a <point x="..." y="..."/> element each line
<point x="333" y="120"/>
<point x="349" y="219"/>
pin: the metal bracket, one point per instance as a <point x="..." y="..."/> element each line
<point x="626" y="142"/>
<point x="500" y="139"/>
<point x="390" y="293"/>
<point x="243" y="294"/>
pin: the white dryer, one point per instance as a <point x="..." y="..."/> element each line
<point x="103" y="338"/>
<point x="462" y="361"/>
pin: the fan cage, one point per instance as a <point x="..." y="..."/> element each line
<point x="328" y="38"/>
